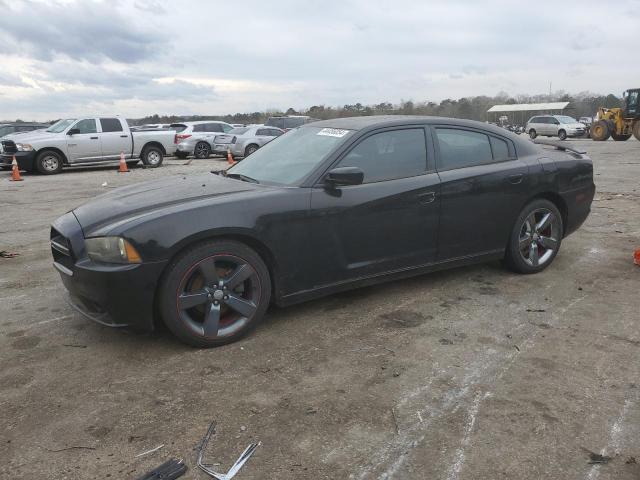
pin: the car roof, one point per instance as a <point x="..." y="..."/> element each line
<point x="24" y="124"/>
<point x="198" y="122"/>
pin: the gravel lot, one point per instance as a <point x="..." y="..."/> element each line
<point x="473" y="373"/>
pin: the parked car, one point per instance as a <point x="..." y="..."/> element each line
<point x="18" y="127"/>
<point x="587" y="122"/>
<point x="244" y="141"/>
<point x="561" y="126"/>
<point x="196" y="138"/>
<point x="85" y="141"/>
<point x="327" y="207"/>
<point x="288" y="122"/>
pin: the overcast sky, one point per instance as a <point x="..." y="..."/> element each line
<point x="140" y="57"/>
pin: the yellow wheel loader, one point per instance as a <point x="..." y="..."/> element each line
<point x="619" y="123"/>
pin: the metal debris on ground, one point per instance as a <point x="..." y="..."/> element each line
<point x="205" y="467"/>
<point x="597" y="458"/>
<point x="169" y="470"/>
<point x="150" y="451"/>
<point x="5" y="254"/>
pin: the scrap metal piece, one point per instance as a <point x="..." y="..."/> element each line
<point x="150" y="451"/>
<point x="234" y="468"/>
<point x="169" y="470"/>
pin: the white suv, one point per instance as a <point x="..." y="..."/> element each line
<point x="196" y="138"/>
<point x="561" y="126"/>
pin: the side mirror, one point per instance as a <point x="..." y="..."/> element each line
<point x="73" y="131"/>
<point x="344" y="176"/>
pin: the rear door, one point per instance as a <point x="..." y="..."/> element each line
<point x="263" y="136"/>
<point x="115" y="139"/>
<point x="484" y="186"/>
<point x="390" y="221"/>
<point x="84" y="146"/>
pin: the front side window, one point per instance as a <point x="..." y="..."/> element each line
<point x="110" y="125"/>
<point x="462" y="148"/>
<point x="263" y="132"/>
<point x="389" y="155"/>
<point x="88" y="125"/>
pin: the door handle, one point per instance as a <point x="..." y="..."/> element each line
<point x="93" y="138"/>
<point x="427" y="197"/>
<point x="124" y="136"/>
<point x="516" y="179"/>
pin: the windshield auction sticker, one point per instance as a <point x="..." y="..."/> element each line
<point x="333" y="132"/>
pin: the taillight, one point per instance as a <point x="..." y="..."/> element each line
<point x="180" y="136"/>
<point x="233" y="140"/>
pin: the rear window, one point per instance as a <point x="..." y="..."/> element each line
<point x="178" y="127"/>
<point x="110" y="125"/>
<point x="239" y="131"/>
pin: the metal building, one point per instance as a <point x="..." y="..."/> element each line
<point x="519" y="113"/>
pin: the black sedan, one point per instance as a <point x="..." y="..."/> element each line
<point x="329" y="206"/>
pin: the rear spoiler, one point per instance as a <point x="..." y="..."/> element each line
<point x="560" y="146"/>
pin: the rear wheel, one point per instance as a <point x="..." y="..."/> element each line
<point x="132" y="163"/>
<point x="181" y="155"/>
<point x="49" y="162"/>
<point x="214" y="293"/>
<point x="600" y="131"/>
<point x="532" y="133"/>
<point x="562" y="135"/>
<point x="202" y="150"/>
<point x="250" y="149"/>
<point x="620" y="138"/>
<point x="535" y="238"/>
<point x="152" y="156"/>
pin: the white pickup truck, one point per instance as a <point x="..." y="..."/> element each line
<point x="86" y="141"/>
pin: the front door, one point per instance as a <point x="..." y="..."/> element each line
<point x="483" y="188"/>
<point x="388" y="223"/>
<point x="84" y="146"/>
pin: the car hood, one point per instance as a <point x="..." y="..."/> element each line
<point x="33" y="136"/>
<point x="126" y="203"/>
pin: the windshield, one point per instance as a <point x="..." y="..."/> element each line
<point x="239" y="131"/>
<point x="61" y="125"/>
<point x="292" y="156"/>
<point x="5" y="130"/>
<point x="565" y="119"/>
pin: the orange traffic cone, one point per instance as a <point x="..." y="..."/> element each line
<point x="636" y="257"/>
<point x="123" y="165"/>
<point x="15" y="173"/>
<point x="230" y="159"/>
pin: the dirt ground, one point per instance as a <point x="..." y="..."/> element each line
<point x="473" y="373"/>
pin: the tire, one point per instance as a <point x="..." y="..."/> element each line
<point x="532" y="134"/>
<point x="636" y="130"/>
<point x="132" y="163"/>
<point x="250" y="149"/>
<point x="600" y="131"/>
<point x="531" y="249"/>
<point x="49" y="162"/>
<point x="198" y="275"/>
<point x="181" y="155"/>
<point x="620" y="138"/>
<point x="202" y="150"/>
<point x="152" y="156"/>
<point x="562" y="135"/>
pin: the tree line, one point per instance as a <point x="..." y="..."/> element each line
<point x="584" y="104"/>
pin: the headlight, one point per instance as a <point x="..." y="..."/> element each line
<point x="24" y="147"/>
<point x="111" y="250"/>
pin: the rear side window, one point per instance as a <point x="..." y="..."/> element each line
<point x="178" y="127"/>
<point x="500" y="149"/>
<point x="200" y="128"/>
<point x="275" y="133"/>
<point x="88" y="125"/>
<point x="535" y="120"/>
<point x="462" y="148"/>
<point x="389" y="155"/>
<point x="263" y="132"/>
<point x="226" y="128"/>
<point x="214" y="127"/>
<point x="111" y="125"/>
<point x="275" y="122"/>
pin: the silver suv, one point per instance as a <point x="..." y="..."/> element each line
<point x="561" y="126"/>
<point x="196" y="138"/>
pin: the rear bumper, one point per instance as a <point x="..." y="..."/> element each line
<point x="113" y="295"/>
<point x="578" y="207"/>
<point x="221" y="149"/>
<point x="26" y="160"/>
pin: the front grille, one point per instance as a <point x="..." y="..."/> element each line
<point x="61" y="249"/>
<point x="9" y="147"/>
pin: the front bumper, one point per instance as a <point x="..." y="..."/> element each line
<point x="26" y="160"/>
<point x="114" y="295"/>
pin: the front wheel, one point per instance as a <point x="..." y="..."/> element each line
<point x="600" y="131"/>
<point x="535" y="238"/>
<point x="250" y="149"/>
<point x="202" y="150"/>
<point x="49" y="163"/>
<point x="214" y="293"/>
<point x="152" y="156"/>
<point x="620" y="138"/>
